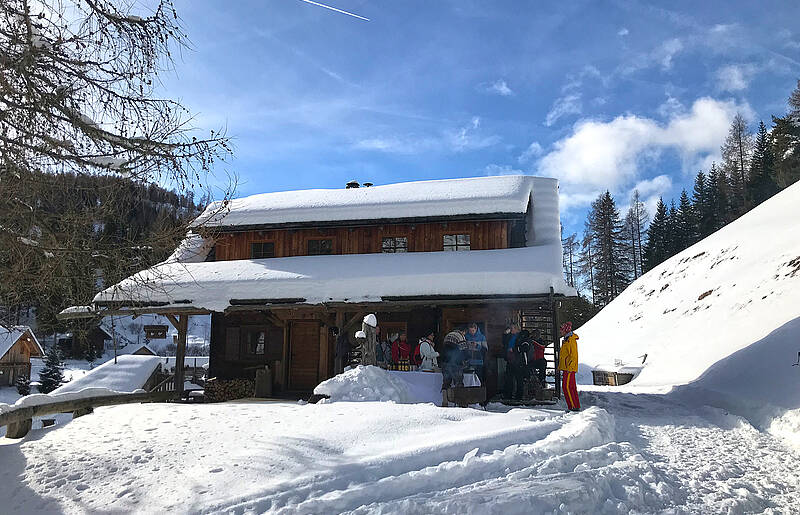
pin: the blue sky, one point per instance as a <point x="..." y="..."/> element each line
<point x="601" y="95"/>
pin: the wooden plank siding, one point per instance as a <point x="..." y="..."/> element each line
<point x="422" y="237"/>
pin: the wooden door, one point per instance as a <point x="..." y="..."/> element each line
<point x="304" y="356"/>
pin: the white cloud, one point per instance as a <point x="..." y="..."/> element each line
<point x="495" y="169"/>
<point x="667" y="52"/>
<point x="656" y="186"/>
<point x="610" y="155"/>
<point x="566" y="105"/>
<point x="534" y="150"/>
<point x="500" y="87"/>
<point x="671" y="107"/>
<point x="465" y="138"/>
<point x="734" y="77"/>
<point x="623" y="32"/>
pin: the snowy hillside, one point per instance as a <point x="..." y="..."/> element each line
<point x="723" y="315"/>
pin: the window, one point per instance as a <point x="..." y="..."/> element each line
<point x="391" y="245"/>
<point x="255" y="341"/>
<point x="456" y="242"/>
<point x="320" y="247"/>
<point x="262" y="249"/>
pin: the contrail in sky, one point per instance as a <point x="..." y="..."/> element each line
<point x="335" y="9"/>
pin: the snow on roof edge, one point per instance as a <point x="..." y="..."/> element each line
<point x="347" y="278"/>
<point x="441" y="197"/>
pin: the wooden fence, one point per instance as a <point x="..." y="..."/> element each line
<point x="18" y="421"/>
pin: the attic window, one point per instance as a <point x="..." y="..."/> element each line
<point x="320" y="247"/>
<point x="455" y="242"/>
<point x="262" y="249"/>
<point x="392" y="245"/>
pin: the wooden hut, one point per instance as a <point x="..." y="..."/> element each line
<point x="278" y="271"/>
<point x="17" y="345"/>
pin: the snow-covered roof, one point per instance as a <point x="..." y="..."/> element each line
<point x="508" y="194"/>
<point x="347" y="278"/>
<point x="128" y="374"/>
<point x="10" y="335"/>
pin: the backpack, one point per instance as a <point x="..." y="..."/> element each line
<point x="416" y="358"/>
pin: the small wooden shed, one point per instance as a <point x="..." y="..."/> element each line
<point x="17" y="345"/>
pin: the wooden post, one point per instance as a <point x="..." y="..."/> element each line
<point x="338" y="361"/>
<point x="556" y="342"/>
<point x="181" y="323"/>
<point x="368" y="351"/>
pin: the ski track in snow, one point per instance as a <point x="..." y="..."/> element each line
<point x="623" y="453"/>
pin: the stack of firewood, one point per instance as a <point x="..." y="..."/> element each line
<point x="219" y="390"/>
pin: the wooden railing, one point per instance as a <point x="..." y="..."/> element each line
<point x="166" y="385"/>
<point x="18" y="420"/>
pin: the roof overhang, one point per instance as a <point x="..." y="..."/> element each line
<point x="360" y="222"/>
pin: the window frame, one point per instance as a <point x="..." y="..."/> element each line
<point x="246" y="349"/>
<point x="394" y="247"/>
<point x="457" y="247"/>
<point x="262" y="243"/>
<point x="328" y="238"/>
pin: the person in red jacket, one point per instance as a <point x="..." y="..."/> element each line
<point x="538" y="362"/>
<point x="400" y="348"/>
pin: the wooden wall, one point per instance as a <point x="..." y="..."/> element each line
<point x="423" y="237"/>
<point x="20" y="352"/>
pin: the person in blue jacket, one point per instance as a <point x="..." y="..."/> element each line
<point x="476" y="349"/>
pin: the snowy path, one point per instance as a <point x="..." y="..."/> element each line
<point x="643" y="453"/>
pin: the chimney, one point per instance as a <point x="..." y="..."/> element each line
<point x="352" y="184"/>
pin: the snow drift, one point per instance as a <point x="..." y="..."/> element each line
<point x="723" y="315"/>
<point x="368" y="383"/>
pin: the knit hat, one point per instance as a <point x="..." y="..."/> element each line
<point x="566" y="327"/>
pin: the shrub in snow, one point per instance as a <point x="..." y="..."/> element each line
<point x="23" y="385"/>
<point x="52" y="374"/>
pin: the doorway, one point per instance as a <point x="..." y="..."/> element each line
<point x="304" y="355"/>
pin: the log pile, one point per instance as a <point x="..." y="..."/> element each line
<point x="219" y="390"/>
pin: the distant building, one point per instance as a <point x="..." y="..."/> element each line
<point x="17" y="345"/>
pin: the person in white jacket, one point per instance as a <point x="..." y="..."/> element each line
<point x="428" y="353"/>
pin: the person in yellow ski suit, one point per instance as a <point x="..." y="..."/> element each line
<point x="568" y="365"/>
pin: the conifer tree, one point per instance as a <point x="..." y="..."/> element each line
<point x="23" y="384"/>
<point x="702" y="203"/>
<point x="637" y="218"/>
<point x="612" y="262"/>
<point x="786" y="142"/>
<point x="52" y="374"/>
<point x="629" y="234"/>
<point x="719" y="207"/>
<point x="736" y="152"/>
<point x="655" y="251"/>
<point x="762" y="185"/>
<point x="570" y="248"/>
<point x="586" y="260"/>
<point x="686" y="233"/>
<point x="671" y="236"/>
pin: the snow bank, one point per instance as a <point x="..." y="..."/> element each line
<point x="722" y="317"/>
<point x="129" y="374"/>
<point x="369" y="383"/>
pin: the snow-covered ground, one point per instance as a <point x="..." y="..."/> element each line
<point x="624" y="452"/>
<point x="710" y="425"/>
<point x="719" y="322"/>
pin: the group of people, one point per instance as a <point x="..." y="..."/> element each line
<point x="464" y="352"/>
<point x="525" y="360"/>
<point x="464" y="347"/>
